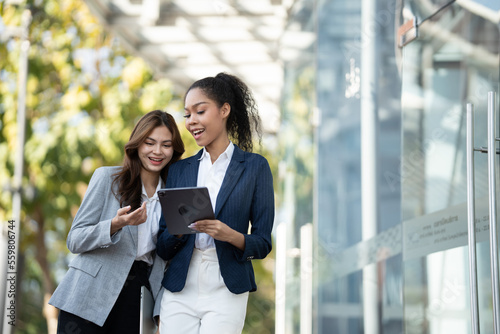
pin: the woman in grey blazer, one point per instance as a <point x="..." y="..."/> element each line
<point x="114" y="234"/>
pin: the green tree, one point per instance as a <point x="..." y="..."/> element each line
<point x="84" y="94"/>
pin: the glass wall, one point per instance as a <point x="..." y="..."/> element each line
<point x="297" y="165"/>
<point x="358" y="92"/>
<point x="454" y="61"/>
<point x="356" y="256"/>
<point x="374" y="156"/>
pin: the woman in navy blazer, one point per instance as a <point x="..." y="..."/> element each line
<point x="210" y="273"/>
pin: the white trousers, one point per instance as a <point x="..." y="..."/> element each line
<point x="205" y="305"/>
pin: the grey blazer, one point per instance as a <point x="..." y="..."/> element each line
<point x="97" y="274"/>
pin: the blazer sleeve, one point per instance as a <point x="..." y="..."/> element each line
<point x="258" y="243"/>
<point x="168" y="245"/>
<point x="88" y="231"/>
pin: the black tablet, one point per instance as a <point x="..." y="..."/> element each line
<point x="184" y="206"/>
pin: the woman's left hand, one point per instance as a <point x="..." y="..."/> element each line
<point x="220" y="231"/>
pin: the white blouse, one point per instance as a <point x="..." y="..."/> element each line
<point x="148" y="231"/>
<point x="211" y="176"/>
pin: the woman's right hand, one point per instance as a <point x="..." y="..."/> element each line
<point x="123" y="218"/>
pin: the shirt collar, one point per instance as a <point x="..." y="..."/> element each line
<point x="155" y="196"/>
<point x="228" y="152"/>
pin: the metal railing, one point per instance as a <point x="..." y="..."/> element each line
<point x="492" y="157"/>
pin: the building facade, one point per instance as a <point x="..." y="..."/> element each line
<point x="373" y="230"/>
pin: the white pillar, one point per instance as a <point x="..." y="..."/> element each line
<point x="280" y="292"/>
<point x="306" y="278"/>
<point x="369" y="121"/>
<point x="12" y="264"/>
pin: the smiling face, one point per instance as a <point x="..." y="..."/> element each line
<point x="206" y="121"/>
<point x="156" y="150"/>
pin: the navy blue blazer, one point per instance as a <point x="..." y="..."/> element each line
<point x="246" y="195"/>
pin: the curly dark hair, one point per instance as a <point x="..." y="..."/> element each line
<point x="244" y="118"/>
<point x="128" y="179"/>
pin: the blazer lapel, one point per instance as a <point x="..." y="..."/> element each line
<point x="233" y="173"/>
<point x="134" y="231"/>
<point x="190" y="178"/>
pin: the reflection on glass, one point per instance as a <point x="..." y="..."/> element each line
<point x="454" y="61"/>
<point x="297" y="157"/>
<point x="340" y="53"/>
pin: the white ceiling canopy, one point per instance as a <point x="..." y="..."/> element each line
<point x="186" y="40"/>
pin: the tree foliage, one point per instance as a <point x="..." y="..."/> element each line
<point x="84" y="93"/>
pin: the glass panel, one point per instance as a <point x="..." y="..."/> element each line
<point x="494" y="5"/>
<point x="340" y="306"/>
<point x="425" y="10"/>
<point x="297" y="157"/>
<point x="344" y="257"/>
<point x="454" y="61"/>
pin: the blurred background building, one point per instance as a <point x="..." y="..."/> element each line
<point x="364" y="102"/>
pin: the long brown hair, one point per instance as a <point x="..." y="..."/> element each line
<point x="127" y="181"/>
